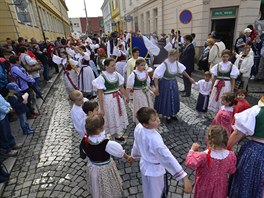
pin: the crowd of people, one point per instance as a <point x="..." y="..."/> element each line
<point x="101" y="75"/>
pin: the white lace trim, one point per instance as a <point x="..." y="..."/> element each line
<point x="230" y="109"/>
<point x="97" y="138"/>
<point x="219" y="154"/>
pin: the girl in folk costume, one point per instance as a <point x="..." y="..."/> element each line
<point x="204" y="87"/>
<point x="103" y="177"/>
<point x="167" y="101"/>
<point x="223" y="81"/>
<point x="224" y="116"/>
<point x="69" y="67"/>
<point x="139" y="81"/>
<point x="247" y="182"/>
<point x="112" y="106"/>
<point x="242" y="103"/>
<point x="212" y="165"/>
<point x="121" y="59"/>
<point x="100" y="58"/>
<point x="86" y="75"/>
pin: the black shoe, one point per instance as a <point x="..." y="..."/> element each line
<point x="174" y="118"/>
<point x="185" y="95"/>
<point x="183" y="91"/>
<point x="3" y="179"/>
<point x="168" y="120"/>
<point x="3" y="173"/>
<point x="121" y="139"/>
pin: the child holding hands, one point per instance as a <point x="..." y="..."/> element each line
<point x="139" y="81"/>
<point x="212" y="165"/>
<point x="224" y="116"/>
<point x="154" y="156"/>
<point x="103" y="177"/>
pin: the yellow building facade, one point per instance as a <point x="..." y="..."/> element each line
<point x="115" y="14"/>
<point x="33" y="18"/>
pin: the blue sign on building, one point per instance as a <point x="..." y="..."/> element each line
<point x="185" y="16"/>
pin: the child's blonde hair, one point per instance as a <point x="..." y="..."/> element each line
<point x="173" y="52"/>
<point x="217" y="136"/>
<point x="75" y="94"/>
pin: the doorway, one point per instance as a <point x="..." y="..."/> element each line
<point x="226" y="28"/>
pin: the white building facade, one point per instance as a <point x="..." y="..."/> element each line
<point x="160" y="16"/>
<point x="76" y="25"/>
<point x="107" y="16"/>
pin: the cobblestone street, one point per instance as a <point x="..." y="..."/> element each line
<point x="49" y="164"/>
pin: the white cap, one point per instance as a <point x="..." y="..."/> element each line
<point x="247" y="30"/>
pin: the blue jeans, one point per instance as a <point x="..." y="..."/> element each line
<point x="46" y="72"/>
<point x="7" y="140"/>
<point x="23" y="122"/>
<point x="36" y="83"/>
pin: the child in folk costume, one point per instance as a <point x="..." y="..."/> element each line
<point x="223" y="81"/>
<point x="100" y="58"/>
<point x="139" y="81"/>
<point x="86" y="75"/>
<point x="70" y="70"/>
<point x="224" y="116"/>
<point x="90" y="108"/>
<point x="247" y="182"/>
<point x="112" y="106"/>
<point x="167" y="101"/>
<point x="204" y="87"/>
<point x="242" y="103"/>
<point x="77" y="113"/>
<point x="212" y="165"/>
<point x="103" y="177"/>
<point x="154" y="156"/>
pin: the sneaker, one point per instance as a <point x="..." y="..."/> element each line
<point x="12" y="153"/>
<point x="17" y="146"/>
<point x="49" y="81"/>
<point x="252" y="78"/>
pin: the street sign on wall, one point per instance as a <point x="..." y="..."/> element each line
<point x="185" y="16"/>
<point x="224" y="12"/>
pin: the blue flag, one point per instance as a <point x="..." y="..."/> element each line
<point x="138" y="42"/>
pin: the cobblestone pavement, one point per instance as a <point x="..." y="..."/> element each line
<point x="49" y="164"/>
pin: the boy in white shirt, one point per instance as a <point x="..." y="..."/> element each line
<point x="77" y="113"/>
<point x="154" y="156"/>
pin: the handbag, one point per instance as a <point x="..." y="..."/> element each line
<point x="31" y="68"/>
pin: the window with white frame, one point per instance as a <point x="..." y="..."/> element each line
<point x="76" y="25"/>
<point x="22" y="12"/>
<point x="32" y="13"/>
<point x="142" y="25"/>
<point x="148" y="22"/>
<point x="155" y="20"/>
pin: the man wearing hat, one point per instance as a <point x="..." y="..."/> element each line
<point x="18" y="103"/>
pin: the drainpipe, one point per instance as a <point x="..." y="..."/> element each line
<point x="162" y="16"/>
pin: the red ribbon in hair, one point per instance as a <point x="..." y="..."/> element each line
<point x="208" y="156"/>
<point x="86" y="139"/>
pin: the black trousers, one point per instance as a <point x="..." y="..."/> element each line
<point x="187" y="84"/>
